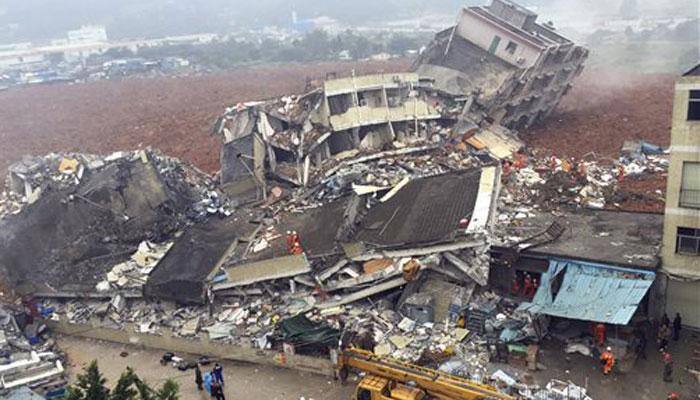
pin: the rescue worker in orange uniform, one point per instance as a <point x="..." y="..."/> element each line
<point x="515" y="287"/>
<point x="533" y="289"/>
<point x="294" y="243"/>
<point x="600" y="334"/>
<point x="608" y="360"/>
<point x="527" y="285"/>
<point x="668" y="367"/>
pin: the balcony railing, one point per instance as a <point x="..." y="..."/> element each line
<point x="690" y="198"/>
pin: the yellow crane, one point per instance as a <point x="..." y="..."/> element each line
<point x="389" y="379"/>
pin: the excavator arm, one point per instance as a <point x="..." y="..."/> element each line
<point x="435" y="383"/>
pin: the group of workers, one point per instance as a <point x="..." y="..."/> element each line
<point x="527" y="288"/>
<point x="212" y="381"/>
<point x="666" y="331"/>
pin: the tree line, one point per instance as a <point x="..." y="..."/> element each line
<point x="91" y="385"/>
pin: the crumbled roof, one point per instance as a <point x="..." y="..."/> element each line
<point x="611" y="237"/>
<point x="426" y="210"/>
<point x="180" y="275"/>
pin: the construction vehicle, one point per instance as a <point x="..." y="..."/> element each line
<point x="389" y="379"/>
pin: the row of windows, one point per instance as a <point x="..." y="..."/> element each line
<point x="688" y="239"/>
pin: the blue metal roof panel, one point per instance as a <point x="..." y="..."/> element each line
<point x="21" y="393"/>
<point x="590" y="292"/>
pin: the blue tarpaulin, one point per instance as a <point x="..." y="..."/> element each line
<point x="590" y="292"/>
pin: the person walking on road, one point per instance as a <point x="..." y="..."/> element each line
<point x="217" y="392"/>
<point x="677" y="322"/>
<point x="665" y="320"/>
<point x="600" y="334"/>
<point x="218" y="373"/>
<point x="608" y="361"/>
<point x="668" y="367"/>
<point x="198" y="377"/>
<point x="664" y="335"/>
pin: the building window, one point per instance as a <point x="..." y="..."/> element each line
<point x="494" y="44"/>
<point x="694" y="106"/>
<point x="690" y="185"/>
<point x="511" y="47"/>
<point x="688" y="241"/>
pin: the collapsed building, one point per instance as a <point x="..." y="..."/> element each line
<point x="290" y="138"/>
<point x="514" y="69"/>
<point x="83" y="214"/>
<point x="390" y="211"/>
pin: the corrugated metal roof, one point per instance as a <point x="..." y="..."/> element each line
<point x="22" y="393"/>
<point x="590" y="292"/>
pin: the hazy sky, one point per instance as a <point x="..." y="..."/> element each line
<point x="43" y="19"/>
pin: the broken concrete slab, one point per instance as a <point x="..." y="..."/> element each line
<point x="260" y="271"/>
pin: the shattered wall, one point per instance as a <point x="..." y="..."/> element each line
<point x="71" y="236"/>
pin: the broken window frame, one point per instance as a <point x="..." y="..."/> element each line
<point x="511" y="47"/>
<point x="691" y="237"/>
<point x="694" y="105"/>
<point x="690" y="185"/>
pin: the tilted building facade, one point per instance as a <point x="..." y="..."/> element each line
<point x="515" y="69"/>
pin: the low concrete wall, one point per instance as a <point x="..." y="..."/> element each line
<point x="197" y="346"/>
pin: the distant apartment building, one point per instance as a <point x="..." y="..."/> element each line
<point x="681" y="245"/>
<point x="88" y="34"/>
<point x="516" y="69"/>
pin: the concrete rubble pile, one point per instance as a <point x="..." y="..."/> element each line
<point x="29" y="358"/>
<point x="114" y="218"/>
<point x="535" y="184"/>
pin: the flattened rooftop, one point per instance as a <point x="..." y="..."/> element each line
<point x="602" y="236"/>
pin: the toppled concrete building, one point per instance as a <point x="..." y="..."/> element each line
<point x="291" y="138"/>
<point x="515" y="69"/>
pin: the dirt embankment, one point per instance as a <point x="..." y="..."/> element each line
<point x="602" y="110"/>
<point x="605" y="108"/>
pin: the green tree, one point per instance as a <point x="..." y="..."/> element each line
<point x="169" y="391"/>
<point x="90" y="385"/>
<point x="124" y="389"/>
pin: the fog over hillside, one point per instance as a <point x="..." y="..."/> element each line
<point x="31" y="20"/>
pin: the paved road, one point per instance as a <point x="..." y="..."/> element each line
<point x="243" y="381"/>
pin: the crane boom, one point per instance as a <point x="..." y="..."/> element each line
<point x="434" y="382"/>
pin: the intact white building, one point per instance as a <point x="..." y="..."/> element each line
<point x="88" y="34"/>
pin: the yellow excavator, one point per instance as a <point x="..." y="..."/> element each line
<point x="389" y="379"/>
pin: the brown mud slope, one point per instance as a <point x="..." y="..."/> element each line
<point x="175" y="115"/>
<point x="605" y="108"/>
